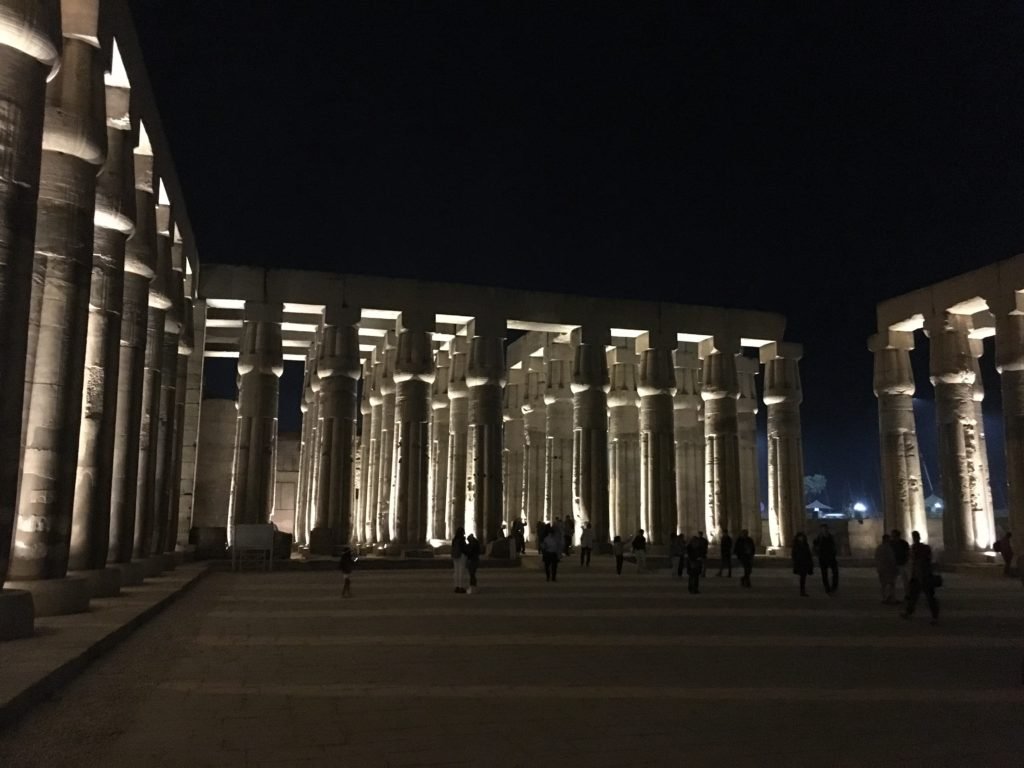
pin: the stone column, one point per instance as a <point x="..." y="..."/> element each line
<point x="113" y="224"/>
<point x="656" y="385"/>
<point x="185" y="347"/>
<point x="989" y="507"/>
<point x="624" y="445"/>
<point x="721" y="449"/>
<point x="746" y="427"/>
<point x="301" y="525"/>
<point x="74" y="146"/>
<point x="439" y="434"/>
<point x="967" y="527"/>
<point x="485" y="377"/>
<point x="338" y="370"/>
<point x="458" y="421"/>
<point x="514" y="452"/>
<point x="386" y="445"/>
<point x="535" y="446"/>
<point x="259" y="367"/>
<point x="1009" y="315"/>
<point x="372" y="534"/>
<point x="365" y="428"/>
<point x="689" y="435"/>
<point x="414" y="375"/>
<point x="590" y="383"/>
<point x="783" y="394"/>
<point x="558" y="490"/>
<point x="193" y="391"/>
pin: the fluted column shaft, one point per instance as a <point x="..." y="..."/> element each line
<point x="590" y="384"/>
<point x="689" y="437"/>
<point x="438" y="450"/>
<point x="624" y="450"/>
<point x="558" y="490"/>
<point x="373" y="471"/>
<point x="301" y="526"/>
<point x="74" y="145"/>
<point x="458" y="435"/>
<point x="783" y="394"/>
<point x="535" y="449"/>
<point x="656" y="385"/>
<point x="485" y="377"/>
<point x="193" y="391"/>
<point x="989" y="508"/>
<point x="513" y="456"/>
<point x="414" y="375"/>
<point x="365" y="429"/>
<point x="1010" y="363"/>
<point x="174" y="486"/>
<point x="386" y="444"/>
<point x="746" y="427"/>
<point x="720" y="389"/>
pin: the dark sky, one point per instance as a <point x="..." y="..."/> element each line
<point x="808" y="158"/>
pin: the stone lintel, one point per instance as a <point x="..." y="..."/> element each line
<point x="788" y="350"/>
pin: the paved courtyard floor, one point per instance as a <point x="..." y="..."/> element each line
<point x="595" y="670"/>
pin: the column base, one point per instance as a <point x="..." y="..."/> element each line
<point x="423" y="552"/>
<point x="17" y="614"/>
<point x="188" y="553"/>
<point x="56" y="597"/>
<point x="779" y="551"/>
<point x="103" y="582"/>
<point x="132" y="574"/>
<point x="321" y="541"/>
<point x="152" y="566"/>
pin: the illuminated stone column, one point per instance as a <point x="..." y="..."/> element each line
<point x="259" y="368"/>
<point x="967" y="526"/>
<point x="365" y="429"/>
<point x="437" y="479"/>
<point x="989" y="508"/>
<point x="30" y="45"/>
<point x="783" y="394"/>
<point x="747" y="369"/>
<point x="624" y="445"/>
<point x="535" y="445"/>
<point x="193" y="392"/>
<point x="656" y="385"/>
<point x="74" y="146"/>
<point x="414" y="375"/>
<point x="558" y="491"/>
<point x="337" y="367"/>
<point x="301" y="524"/>
<point x="386" y="444"/>
<point x="514" y="453"/>
<point x="186" y="341"/>
<point x="373" y="470"/>
<point x="1009" y="313"/>
<point x="590" y="384"/>
<point x="720" y="389"/>
<point x="485" y="377"/>
<point x="458" y="434"/>
<point x="689" y="436"/>
<point x="112" y="225"/>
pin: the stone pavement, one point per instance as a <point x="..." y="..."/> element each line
<point x="596" y="670"/>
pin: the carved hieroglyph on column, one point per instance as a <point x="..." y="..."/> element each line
<point x="590" y="384"/>
<point x="624" y="445"/>
<point x="1010" y="362"/>
<point x="689" y="433"/>
<point x="113" y="224"/>
<point x="746" y="426"/>
<point x="414" y="374"/>
<point x="458" y="416"/>
<point x="783" y="394"/>
<point x="30" y="45"/>
<point x="74" y="145"/>
<point x="386" y="442"/>
<point x="259" y="368"/>
<point x="656" y="385"/>
<point x="373" y="469"/>
<point x="485" y="377"/>
<point x="301" y="525"/>
<point x="337" y="368"/>
<point x="966" y="525"/>
<point x="535" y="445"/>
<point x="193" y="370"/>
<point x="558" y="489"/>
<point x="186" y="344"/>
<point x="514" y="453"/>
<point x="437" y="481"/>
<point x="365" y="428"/>
<point x="720" y="389"/>
<point x="989" y="509"/>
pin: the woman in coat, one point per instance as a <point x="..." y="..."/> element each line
<point x="803" y="561"/>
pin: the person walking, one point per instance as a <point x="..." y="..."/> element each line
<point x="519" y="535"/>
<point x="586" y="545"/>
<point x="639" y="547"/>
<point x="619" y="550"/>
<point x="825" y="548"/>
<point x="472" y="559"/>
<point x="676" y="550"/>
<point x="552" y="552"/>
<point x="569" y="532"/>
<point x="459" y="560"/>
<point x="901" y="553"/>
<point x="803" y="561"/>
<point x="345" y="566"/>
<point x="706" y="545"/>
<point x="725" y="551"/>
<point x="1005" y="548"/>
<point x="745" y="554"/>
<point x="694" y="564"/>
<point x="885" y="565"/>
<point x="922" y="579"/>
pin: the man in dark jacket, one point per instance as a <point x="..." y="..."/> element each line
<point x="901" y="551"/>
<point x="725" y="547"/>
<point x="745" y="554"/>
<point x="825" y="549"/>
<point x="922" y="579"/>
<point x="695" y="563"/>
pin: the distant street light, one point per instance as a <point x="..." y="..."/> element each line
<point x="860" y="506"/>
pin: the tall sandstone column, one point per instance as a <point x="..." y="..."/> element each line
<point x="746" y="427"/>
<point x="439" y="435"/>
<point x="373" y="471"/>
<point x="74" y="146"/>
<point x="624" y="445"/>
<point x="458" y="451"/>
<point x="193" y="390"/>
<point x="656" y="385"/>
<point x="1009" y="313"/>
<point x="514" y="449"/>
<point x="485" y="377"/>
<point x="259" y="367"/>
<point x="386" y="444"/>
<point x="558" y="490"/>
<point x="186" y="345"/>
<point x="301" y="525"/>
<point x="590" y="384"/>
<point x="535" y="445"/>
<point x="689" y="434"/>
<point x="783" y="394"/>
<point x="989" y="511"/>
<point x="720" y="389"/>
<point x="365" y="427"/>
<point x="113" y="224"/>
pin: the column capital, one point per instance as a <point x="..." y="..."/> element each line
<point x="782" y="380"/>
<point x="747" y="369"/>
<point x="558" y="378"/>
<point x="512" y="397"/>
<point x="623" y="386"/>
<point x="720" y="378"/>
<point x="784" y="349"/>
<point x="656" y="373"/>
<point x="950" y="359"/>
<point x="338" y="353"/>
<point x="439" y="387"/>
<point x="458" y="387"/>
<point x="590" y="367"/>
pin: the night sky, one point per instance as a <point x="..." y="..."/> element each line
<point x="807" y="158"/>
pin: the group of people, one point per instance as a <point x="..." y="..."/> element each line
<point x="827" y="553"/>
<point x="692" y="556"/>
<point x="912" y="564"/>
<point x="465" y="561"/>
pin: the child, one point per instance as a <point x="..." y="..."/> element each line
<point x="346" y="563"/>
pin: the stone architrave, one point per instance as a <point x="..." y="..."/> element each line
<point x="260" y="365"/>
<point x="747" y="369"/>
<point x="720" y="389"/>
<point x="656" y="385"/>
<point x="590" y="384"/>
<point x="535" y="446"/>
<point x="439" y="435"/>
<point x="30" y="48"/>
<point x="113" y="224"/>
<point x="386" y="443"/>
<point x="485" y="377"/>
<point x="514" y="448"/>
<point x="689" y="436"/>
<point x="1009" y="315"/>
<point x="458" y="423"/>
<point x="783" y="394"/>
<point x="558" y="488"/>
<point x="624" y="445"/>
